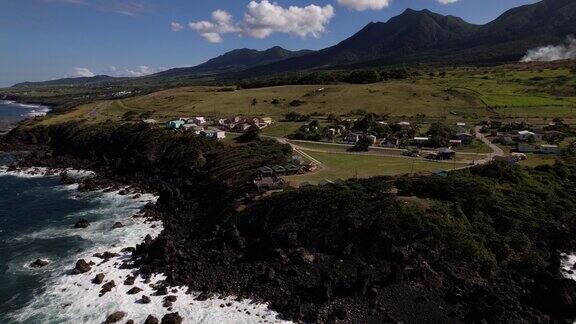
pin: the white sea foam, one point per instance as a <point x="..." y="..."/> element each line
<point x="36" y="110"/>
<point x="38" y="172"/>
<point x="568" y="263"/>
<point x="75" y="299"/>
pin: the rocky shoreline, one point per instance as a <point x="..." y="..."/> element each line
<point x="351" y="252"/>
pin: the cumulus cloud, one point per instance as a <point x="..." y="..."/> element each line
<point x="265" y="18"/>
<point x="566" y="51"/>
<point x="80" y="72"/>
<point x="139" y="71"/>
<point x="176" y="27"/>
<point x="362" y="5"/>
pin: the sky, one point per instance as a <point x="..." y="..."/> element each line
<point x="51" y="39"/>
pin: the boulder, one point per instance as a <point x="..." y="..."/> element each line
<point x="39" y="263"/>
<point x="151" y="320"/>
<point x="173" y="318"/>
<point x="107" y="287"/>
<point x="134" y="291"/>
<point x="130" y="321"/>
<point x="82" y="223"/>
<point x="129" y="280"/>
<point x="115" y="317"/>
<point x="117" y="225"/>
<point x="99" y="279"/>
<point x="81" y="267"/>
<point x="145" y="300"/>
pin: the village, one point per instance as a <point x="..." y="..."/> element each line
<point x="453" y="145"/>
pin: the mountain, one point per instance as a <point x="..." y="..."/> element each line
<point x="82" y="81"/>
<point x="234" y="61"/>
<point x="427" y="37"/>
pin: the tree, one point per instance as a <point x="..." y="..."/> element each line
<point x="440" y="134"/>
<point x="250" y="135"/>
<point x="363" y="145"/>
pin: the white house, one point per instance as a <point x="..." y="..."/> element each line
<point x="526" y="135"/>
<point x="214" y="134"/>
<point x="199" y="120"/>
<point x="421" y="140"/>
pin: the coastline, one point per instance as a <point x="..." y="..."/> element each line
<point x="77" y="296"/>
<point x="37" y="110"/>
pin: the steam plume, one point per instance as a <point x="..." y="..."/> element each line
<point x="566" y="51"/>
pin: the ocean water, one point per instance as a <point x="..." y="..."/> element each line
<point x="12" y="111"/>
<point x="37" y="215"/>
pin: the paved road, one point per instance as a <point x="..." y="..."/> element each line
<point x="496" y="151"/>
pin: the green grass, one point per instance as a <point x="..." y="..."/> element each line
<point x="346" y="166"/>
<point x="281" y="129"/>
<point x="535" y="160"/>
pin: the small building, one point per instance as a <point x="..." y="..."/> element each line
<point x="465" y="137"/>
<point x="193" y="128"/>
<point x="331" y="132"/>
<point x="175" y="124"/>
<point x="292" y="169"/>
<point x="526" y="135"/>
<point x="525" y="148"/>
<point x="446" y="153"/>
<point x="214" y="134"/>
<point x="279" y="170"/>
<point x="549" y="149"/>
<point x="199" y="120"/>
<point x="461" y="124"/>
<point x="371" y="139"/>
<point x="149" y="121"/>
<point x="265" y="171"/>
<point x="352" y="138"/>
<point x="390" y="143"/>
<point x="419" y="141"/>
<point x="242" y="127"/>
<point x="403" y="124"/>
<point x="455" y="143"/>
<point x="266" y="121"/>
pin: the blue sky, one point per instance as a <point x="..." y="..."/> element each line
<point x="48" y="39"/>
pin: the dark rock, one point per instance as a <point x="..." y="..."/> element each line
<point x="99" y="279"/>
<point x="173" y="318"/>
<point x="82" y="223"/>
<point x="117" y="225"/>
<point x="145" y="299"/>
<point x="169" y="301"/>
<point x="129" y="249"/>
<point x="130" y="321"/>
<point x="81" y="267"/>
<point x="161" y="291"/>
<point x="204" y="296"/>
<point x="107" y="287"/>
<point x="151" y="320"/>
<point x="129" y="280"/>
<point x="134" y="291"/>
<point x="115" y="317"/>
<point x="39" y="263"/>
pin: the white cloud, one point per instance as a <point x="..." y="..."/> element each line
<point x="362" y="5"/>
<point x="80" y="72"/>
<point x="176" y="27"/>
<point x="265" y="18"/>
<point x="445" y="2"/>
<point x="138" y="71"/>
<point x="551" y="53"/>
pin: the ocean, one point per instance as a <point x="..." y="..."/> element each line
<point x="37" y="216"/>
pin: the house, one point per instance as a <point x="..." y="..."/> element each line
<point x="214" y="134"/>
<point x="331" y="132"/>
<point x="269" y="184"/>
<point x="455" y="143"/>
<point x="352" y="138"/>
<point x="266" y="121"/>
<point x="193" y="128"/>
<point x="419" y="141"/>
<point x="371" y="139"/>
<point x="279" y="170"/>
<point x="292" y="169"/>
<point x="175" y="124"/>
<point x="265" y="171"/>
<point x="460" y="124"/>
<point x="242" y="127"/>
<point x="446" y="153"/>
<point x="390" y="143"/>
<point x="525" y="148"/>
<point x="549" y="149"/>
<point x="404" y="124"/>
<point x="465" y="137"/>
<point x="525" y="135"/>
<point x="199" y="120"/>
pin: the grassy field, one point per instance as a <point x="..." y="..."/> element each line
<point x="346" y="166"/>
<point x="462" y="94"/>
